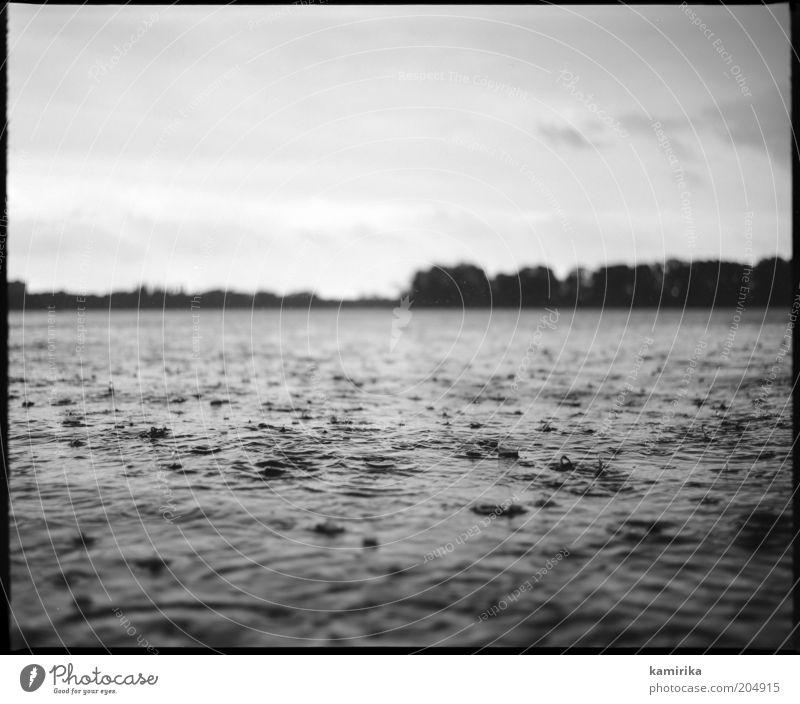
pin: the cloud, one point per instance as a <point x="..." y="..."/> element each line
<point x="297" y="134"/>
<point x="762" y="125"/>
<point x="565" y="135"/>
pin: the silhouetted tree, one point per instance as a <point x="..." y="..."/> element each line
<point x="575" y="290"/>
<point x="677" y="284"/>
<point x="772" y="282"/>
<point x="539" y="287"/>
<point x="463" y="285"/>
<point x="648" y="282"/>
<point x="506" y="291"/>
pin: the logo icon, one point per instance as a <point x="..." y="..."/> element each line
<point x="402" y="317"/>
<point x="31" y="677"/>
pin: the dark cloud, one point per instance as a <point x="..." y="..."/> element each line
<point x="565" y="135"/>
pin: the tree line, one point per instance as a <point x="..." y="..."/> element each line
<point x="673" y="284"/>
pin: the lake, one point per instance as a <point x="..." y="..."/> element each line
<point x="423" y="478"/>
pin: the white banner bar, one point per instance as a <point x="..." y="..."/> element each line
<point x="390" y="679"/>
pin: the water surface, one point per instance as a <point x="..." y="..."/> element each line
<point x="297" y="478"/>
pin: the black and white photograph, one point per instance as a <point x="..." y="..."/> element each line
<point x="355" y="327"/>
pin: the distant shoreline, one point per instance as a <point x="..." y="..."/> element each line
<point x="390" y="305"/>
<point x="673" y="284"/>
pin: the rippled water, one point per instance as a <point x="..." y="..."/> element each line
<point x="324" y="478"/>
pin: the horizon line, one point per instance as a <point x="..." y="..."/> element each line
<point x="180" y="290"/>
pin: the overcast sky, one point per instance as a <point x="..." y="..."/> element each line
<point x="339" y="149"/>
